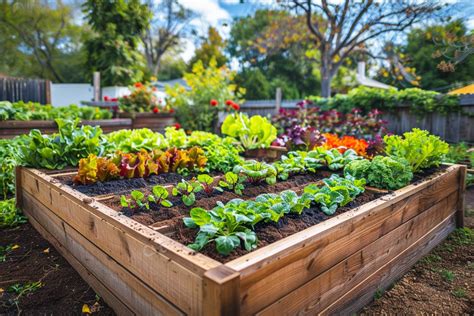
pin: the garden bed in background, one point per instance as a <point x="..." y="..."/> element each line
<point x="12" y="128"/>
<point x="381" y="240"/>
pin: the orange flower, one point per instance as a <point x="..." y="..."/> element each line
<point x="346" y="142"/>
<point x="138" y="85"/>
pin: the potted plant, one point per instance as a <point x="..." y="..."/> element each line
<point x="145" y="108"/>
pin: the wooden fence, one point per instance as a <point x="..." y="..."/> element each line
<point x="455" y="127"/>
<point x="19" y="89"/>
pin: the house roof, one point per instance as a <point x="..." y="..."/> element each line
<point x="469" y="89"/>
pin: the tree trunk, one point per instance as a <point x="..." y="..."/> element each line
<point x="325" y="82"/>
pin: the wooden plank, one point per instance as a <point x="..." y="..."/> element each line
<point x="462" y="190"/>
<point x="170" y="268"/>
<point x="221" y="294"/>
<point x="130" y="290"/>
<point x="318" y="248"/>
<point x="383" y="278"/>
<point x="97" y="286"/>
<point x="320" y="292"/>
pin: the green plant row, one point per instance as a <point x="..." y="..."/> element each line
<point x="420" y="101"/>
<point x="31" y="111"/>
<point x="232" y="224"/>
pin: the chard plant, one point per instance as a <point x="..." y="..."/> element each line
<point x="233" y="182"/>
<point x="256" y="171"/>
<point x="137" y="200"/>
<point x="187" y="191"/>
<point x="207" y="183"/>
<point x="159" y="196"/>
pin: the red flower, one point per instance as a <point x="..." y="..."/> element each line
<point x="106" y="98"/>
<point x="171" y="110"/>
<point x="228" y="102"/>
<point x="138" y="85"/>
<point x="235" y="106"/>
<point x="177" y="126"/>
<point x="155" y="110"/>
<point x="214" y="102"/>
<point x="114" y="99"/>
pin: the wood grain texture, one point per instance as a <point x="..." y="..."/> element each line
<point x="361" y="295"/>
<point x="320" y="292"/>
<point x="221" y="295"/>
<point x="129" y="289"/>
<point x="319" y="248"/>
<point x="169" y="268"/>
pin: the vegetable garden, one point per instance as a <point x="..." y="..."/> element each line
<point x="191" y="224"/>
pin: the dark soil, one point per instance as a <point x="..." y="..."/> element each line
<point x="174" y="215"/>
<point x="62" y="290"/>
<point x="122" y="185"/>
<point x="268" y="233"/>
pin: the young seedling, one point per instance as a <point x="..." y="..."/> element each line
<point x="206" y="182"/>
<point x="187" y="190"/>
<point x="233" y="182"/>
<point x="159" y="196"/>
<point x="137" y="201"/>
<point x="257" y="171"/>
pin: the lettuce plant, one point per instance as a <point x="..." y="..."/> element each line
<point x="336" y="191"/>
<point x="233" y="182"/>
<point x="159" y="196"/>
<point x="207" y="183"/>
<point x="254" y="132"/>
<point x="256" y="171"/>
<point x="418" y="147"/>
<point x="187" y="190"/>
<point x="137" y="200"/>
<point x="382" y="172"/>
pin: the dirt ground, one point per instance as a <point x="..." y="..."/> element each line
<point x="38" y="281"/>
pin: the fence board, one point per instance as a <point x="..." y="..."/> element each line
<point x="22" y="89"/>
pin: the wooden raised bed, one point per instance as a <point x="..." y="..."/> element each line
<point x="157" y="122"/>
<point x="332" y="267"/>
<point x="269" y="154"/>
<point x="12" y="128"/>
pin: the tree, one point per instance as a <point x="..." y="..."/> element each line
<point x="165" y="31"/>
<point x="38" y="39"/>
<point x="114" y="51"/>
<point x="254" y="43"/>
<point x="340" y="29"/>
<point x="421" y="56"/>
<point x="212" y="47"/>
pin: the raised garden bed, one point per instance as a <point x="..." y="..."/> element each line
<point x="334" y="266"/>
<point x="269" y="154"/>
<point x="12" y="128"/>
<point x="155" y="121"/>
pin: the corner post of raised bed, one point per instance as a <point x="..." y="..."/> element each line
<point x="462" y="191"/>
<point x="221" y="292"/>
<point x="18" y="187"/>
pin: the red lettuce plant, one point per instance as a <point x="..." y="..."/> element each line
<point x="300" y="138"/>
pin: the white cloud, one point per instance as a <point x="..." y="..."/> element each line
<point x="209" y="10"/>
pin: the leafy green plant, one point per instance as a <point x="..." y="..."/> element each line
<point x="187" y="190"/>
<point x="159" y="196"/>
<point x="9" y="159"/>
<point x="418" y="147"/>
<point x="131" y="141"/>
<point x="226" y="229"/>
<point x="62" y="149"/>
<point x="233" y="182"/>
<point x="207" y="183"/>
<point x="381" y="172"/>
<point x="256" y="171"/>
<point x="137" y="200"/>
<point x="253" y="132"/>
<point x="292" y="163"/>
<point x="10" y="216"/>
<point x="336" y="191"/>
